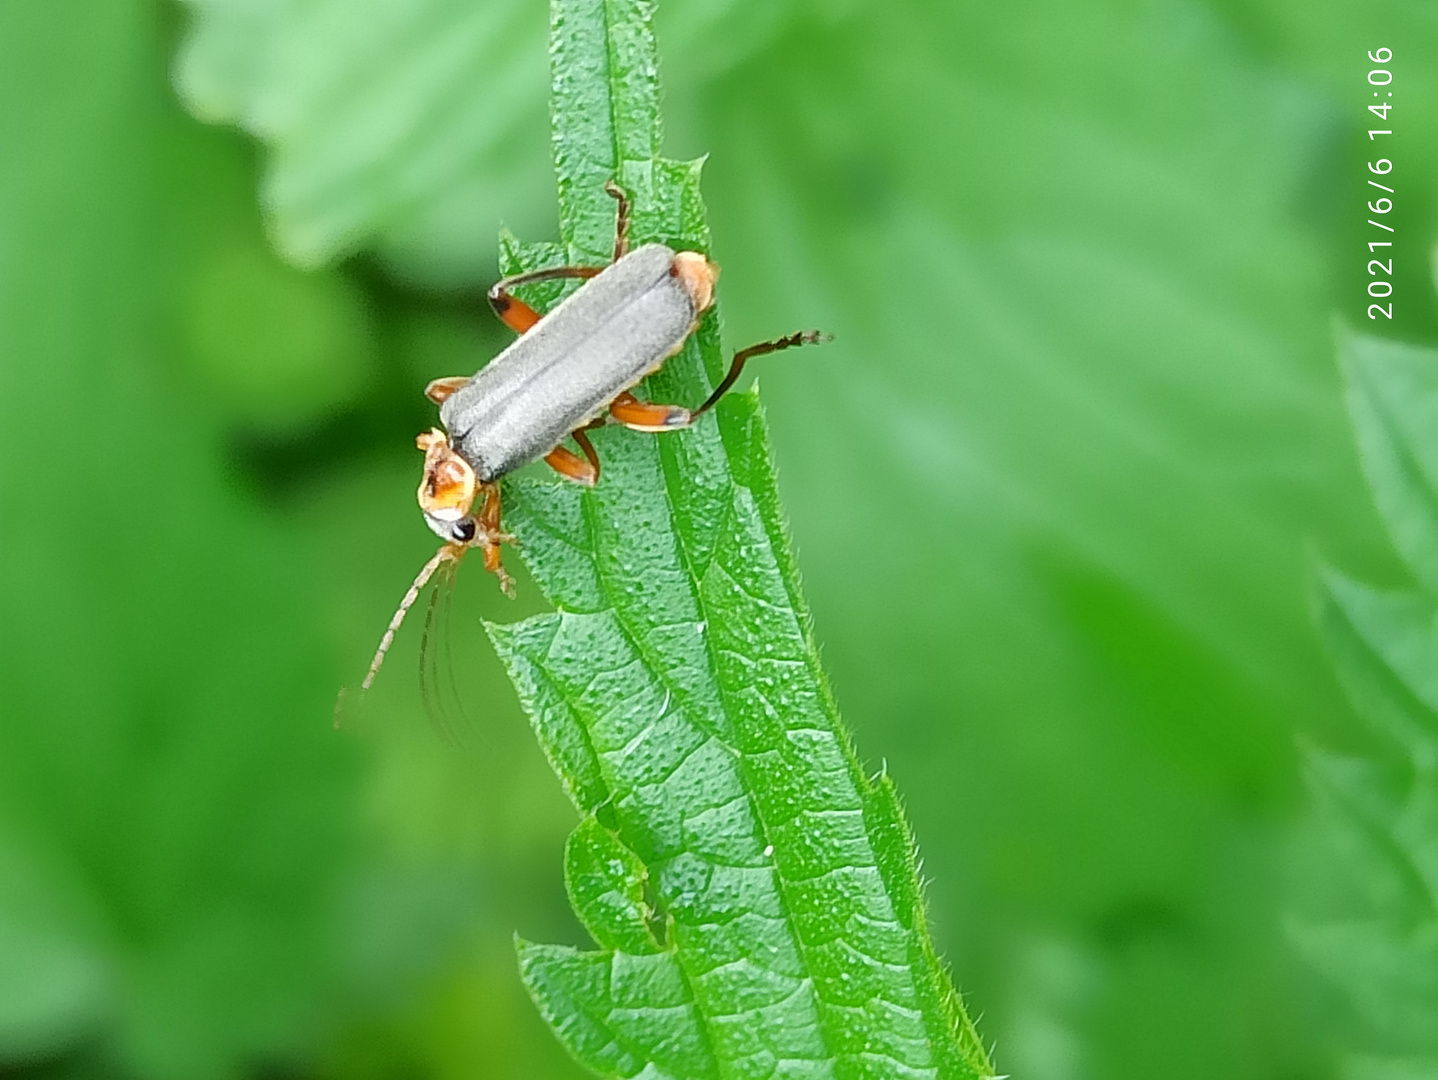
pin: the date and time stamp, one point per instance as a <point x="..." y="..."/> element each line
<point x="1381" y="247"/>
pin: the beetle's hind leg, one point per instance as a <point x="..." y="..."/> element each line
<point x="789" y="341"/>
<point x="643" y="416"/>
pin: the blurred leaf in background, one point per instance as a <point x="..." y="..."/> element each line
<point x="412" y="127"/>
<point x="1371" y="919"/>
<point x="175" y="838"/>
<point x="1081" y="262"/>
<point x="197" y="875"/>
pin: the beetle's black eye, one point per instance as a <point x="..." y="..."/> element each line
<point x="463" y="530"/>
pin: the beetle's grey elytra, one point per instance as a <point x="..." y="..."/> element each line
<point x="569" y="370"/>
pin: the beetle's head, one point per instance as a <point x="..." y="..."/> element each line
<point x="446" y="493"/>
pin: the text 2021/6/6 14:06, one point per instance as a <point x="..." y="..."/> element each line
<point x="1381" y="288"/>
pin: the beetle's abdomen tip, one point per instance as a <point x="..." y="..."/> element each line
<point x="698" y="275"/>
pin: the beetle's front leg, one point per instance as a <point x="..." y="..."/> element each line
<point x="489" y="536"/>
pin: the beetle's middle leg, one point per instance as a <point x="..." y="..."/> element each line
<point x="644" y="416"/>
<point x="582" y="470"/>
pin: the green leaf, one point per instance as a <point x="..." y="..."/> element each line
<point x="374" y="114"/>
<point x="1378" y="822"/>
<point x="1378" y="816"/>
<point x="678" y="693"/>
<point x="606" y="886"/>
<point x="622" y="1015"/>
<point x="1367" y="1068"/>
<point x="56" y="979"/>
<point x="1386" y="647"/>
<point x="1393" y="396"/>
<point x="399" y="126"/>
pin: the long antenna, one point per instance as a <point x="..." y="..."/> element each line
<point x="449" y="551"/>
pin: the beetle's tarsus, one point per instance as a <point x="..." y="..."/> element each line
<point x="489" y="541"/>
<point x="789" y="341"/>
<point x="506" y="583"/>
<point x="621" y="218"/>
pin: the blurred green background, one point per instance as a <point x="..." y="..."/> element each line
<point x="1081" y="261"/>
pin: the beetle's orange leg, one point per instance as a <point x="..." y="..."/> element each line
<point x="621" y="219"/>
<point x="440" y="389"/>
<point x="568" y="464"/>
<point x="489" y="537"/>
<point x="564" y="461"/>
<point x="642" y="416"/>
<point x="489" y="516"/>
<point x="588" y="447"/>
<point x="518" y="315"/>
